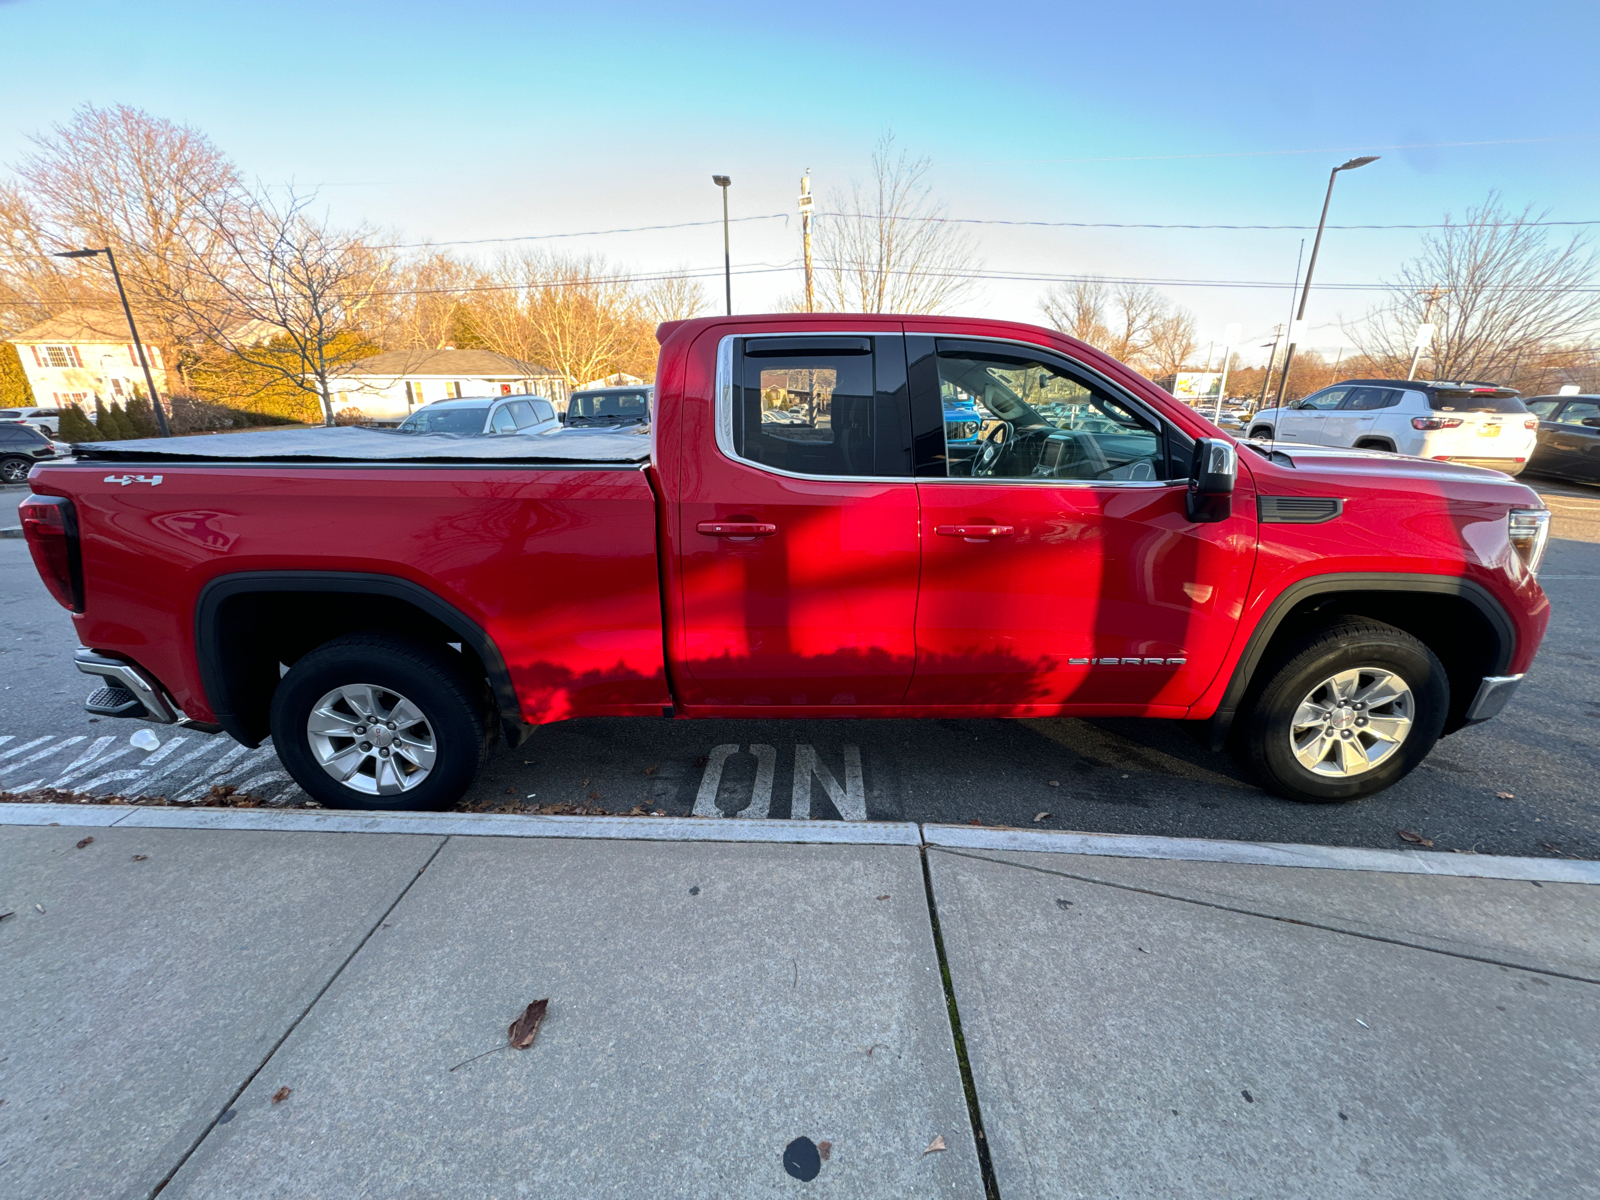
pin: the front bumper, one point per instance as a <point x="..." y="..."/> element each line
<point x="1494" y="693"/>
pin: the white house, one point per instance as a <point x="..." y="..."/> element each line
<point x="82" y="354"/>
<point x="394" y="383"/>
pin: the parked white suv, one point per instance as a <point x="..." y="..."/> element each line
<point x="1474" y="423"/>
<point x="46" y="420"/>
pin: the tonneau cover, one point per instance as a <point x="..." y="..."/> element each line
<point x="353" y="445"/>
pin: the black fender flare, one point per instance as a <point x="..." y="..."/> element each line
<point x="1319" y="585"/>
<point x="208" y="634"/>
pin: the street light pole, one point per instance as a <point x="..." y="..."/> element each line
<point x="723" y="181"/>
<point x="805" y="236"/>
<point x="1305" y="293"/>
<point x="138" y="346"/>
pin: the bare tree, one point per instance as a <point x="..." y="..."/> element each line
<point x="146" y="187"/>
<point x="887" y="247"/>
<point x="1133" y="323"/>
<point x="424" y="307"/>
<point x="34" y="286"/>
<point x="1508" y="296"/>
<point x="286" y="293"/>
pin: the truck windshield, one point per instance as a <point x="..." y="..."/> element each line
<point x="609" y="406"/>
<point x="466" y="418"/>
<point x="1477" y="400"/>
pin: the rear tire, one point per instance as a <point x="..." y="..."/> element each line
<point x="1374" y="688"/>
<point x="1261" y="431"/>
<point x="15" y="470"/>
<point x="322" y="710"/>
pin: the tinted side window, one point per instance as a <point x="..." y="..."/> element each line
<point x="1577" y="413"/>
<point x="522" y="413"/>
<point x="503" y="421"/>
<point x="543" y="410"/>
<point x="1543" y="408"/>
<point x="1037" y="420"/>
<point x="821" y="405"/>
<point x="1325" y="399"/>
<point x="1367" y="398"/>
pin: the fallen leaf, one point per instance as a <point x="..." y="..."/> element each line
<point x="974" y="821"/>
<point x="936" y="1144"/>
<point x="1505" y="796"/>
<point x="651" y="770"/>
<point x="524" y="1028"/>
<point x="883" y="897"/>
<point x="140" y="857"/>
<point x="279" y="1096"/>
<point x="1416" y="839"/>
<point x="594" y="795"/>
<point x="511" y="791"/>
<point x="1549" y="847"/>
<point x="824" y="1149"/>
<point x="702" y="760"/>
<point x="1037" y="817"/>
<point x="86" y="841"/>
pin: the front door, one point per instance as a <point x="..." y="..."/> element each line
<point x="1059" y="568"/>
<point x="1305" y="421"/>
<point x="1575" y="441"/>
<point x="798" y="531"/>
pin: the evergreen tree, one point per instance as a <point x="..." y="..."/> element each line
<point x="15" y="391"/>
<point x="104" y="422"/>
<point x="141" y="417"/>
<point x="125" y="427"/>
<point x="75" y="427"/>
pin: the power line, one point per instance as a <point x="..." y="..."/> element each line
<point x="1153" y="225"/>
<point x="539" y="237"/>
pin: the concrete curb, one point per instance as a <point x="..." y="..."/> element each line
<point x="639" y="829"/>
<point x="1269" y="854"/>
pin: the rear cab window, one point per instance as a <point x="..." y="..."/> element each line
<point x="1542" y="408"/>
<point x="820" y="405"/>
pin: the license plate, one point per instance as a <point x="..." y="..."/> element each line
<point x="1488" y="431"/>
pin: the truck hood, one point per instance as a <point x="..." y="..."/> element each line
<point x="1375" y="466"/>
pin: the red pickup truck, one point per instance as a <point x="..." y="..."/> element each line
<point x="829" y="516"/>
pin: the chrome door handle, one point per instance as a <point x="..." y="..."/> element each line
<point x="974" y="532"/>
<point x="736" y="529"/>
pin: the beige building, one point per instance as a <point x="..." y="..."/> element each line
<point x="84" y="354"/>
<point x="395" y="383"/>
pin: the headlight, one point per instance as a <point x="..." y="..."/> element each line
<point x="1529" y="531"/>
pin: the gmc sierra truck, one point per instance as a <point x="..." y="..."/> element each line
<point x="799" y="533"/>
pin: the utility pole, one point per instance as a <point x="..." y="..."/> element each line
<point x="805" y="234"/>
<point x="1299" y="322"/>
<point x="1425" y="330"/>
<point x="723" y="182"/>
<point x="1230" y="338"/>
<point x="1277" y="333"/>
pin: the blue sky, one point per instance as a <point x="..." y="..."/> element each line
<point x="479" y="120"/>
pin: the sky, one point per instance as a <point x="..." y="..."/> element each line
<point x="479" y="120"/>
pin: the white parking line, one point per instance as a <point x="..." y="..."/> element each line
<point x="190" y="770"/>
<point x="850" y="800"/>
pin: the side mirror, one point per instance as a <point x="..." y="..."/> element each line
<point x="1592" y="422"/>
<point x="562" y="416"/>
<point x="1211" y="480"/>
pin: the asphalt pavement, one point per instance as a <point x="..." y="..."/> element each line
<point x="1522" y="784"/>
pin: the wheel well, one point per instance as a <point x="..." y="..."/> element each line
<point x="1456" y="625"/>
<point x="1254" y="429"/>
<point x="246" y="627"/>
<point x="1375" y="443"/>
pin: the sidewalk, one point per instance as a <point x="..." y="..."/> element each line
<point x="1138" y="1016"/>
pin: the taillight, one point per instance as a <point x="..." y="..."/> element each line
<point x="51" y="527"/>
<point x="1435" y="422"/>
<point x="1529" y="530"/>
<point x="1531" y="423"/>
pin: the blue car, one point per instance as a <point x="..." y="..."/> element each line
<point x="962" y="422"/>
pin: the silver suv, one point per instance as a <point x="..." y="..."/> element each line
<point x="1479" y="424"/>
<point x="488" y="415"/>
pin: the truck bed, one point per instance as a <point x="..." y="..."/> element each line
<point x="355" y="445"/>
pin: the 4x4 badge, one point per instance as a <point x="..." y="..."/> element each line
<point x="125" y="480"/>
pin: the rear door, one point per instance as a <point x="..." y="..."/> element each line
<point x="798" y="529"/>
<point x="1059" y="568"/>
<point x="1357" y="414"/>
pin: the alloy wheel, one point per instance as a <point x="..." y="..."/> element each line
<point x="371" y="739"/>
<point x="1352" y="722"/>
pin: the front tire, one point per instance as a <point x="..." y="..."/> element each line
<point x="375" y="722"/>
<point x="1261" y="433"/>
<point x="1349" y="711"/>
